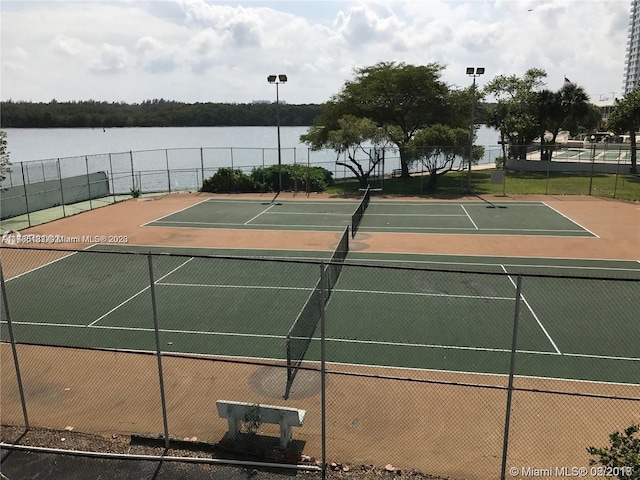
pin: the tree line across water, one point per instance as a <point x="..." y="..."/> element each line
<point x="152" y="113"/>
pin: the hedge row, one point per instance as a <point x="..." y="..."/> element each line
<point x="294" y="177"/>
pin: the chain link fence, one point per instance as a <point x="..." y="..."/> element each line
<point x="471" y="373"/>
<point x="38" y="191"/>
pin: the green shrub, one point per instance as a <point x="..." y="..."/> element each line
<point x="227" y="180"/>
<point x="294" y="177"/>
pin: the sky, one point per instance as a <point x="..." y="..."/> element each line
<point x="213" y="51"/>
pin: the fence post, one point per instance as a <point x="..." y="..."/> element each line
<point x="201" y="166"/>
<point x="166" y="156"/>
<point x="323" y="373"/>
<point x="158" y="352"/>
<point x="546" y="187"/>
<point x="133" y="179"/>
<point x="26" y="196"/>
<point x="64" y="213"/>
<point x="308" y="179"/>
<point x="113" y="183"/>
<point x="86" y="161"/>
<point x="615" y="183"/>
<point x="516" y="315"/>
<point x="13" y="349"/>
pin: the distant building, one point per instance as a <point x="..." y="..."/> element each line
<point x="632" y="61"/>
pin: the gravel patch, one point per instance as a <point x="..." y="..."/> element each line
<point x="70" y="441"/>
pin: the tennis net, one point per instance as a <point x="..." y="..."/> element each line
<point x="302" y="330"/>
<point x="358" y="214"/>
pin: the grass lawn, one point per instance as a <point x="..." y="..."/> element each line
<point x="624" y="187"/>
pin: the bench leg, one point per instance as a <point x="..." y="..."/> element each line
<point x="234" y="426"/>
<point x="285" y="435"/>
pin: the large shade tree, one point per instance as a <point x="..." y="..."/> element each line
<point x="439" y="149"/>
<point x="400" y="98"/>
<point x="625" y="118"/>
<point x="355" y="139"/>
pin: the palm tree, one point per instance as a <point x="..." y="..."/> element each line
<point x="566" y="108"/>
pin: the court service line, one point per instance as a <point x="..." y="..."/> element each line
<point x="342" y="290"/>
<point x="469" y="216"/>
<point x="337" y="340"/>
<point x="363" y="261"/>
<point x="533" y="313"/>
<point x="141" y="291"/>
<point x="206" y="285"/>
<point x="264" y="211"/>
<point x="570" y="219"/>
<point x="173" y="213"/>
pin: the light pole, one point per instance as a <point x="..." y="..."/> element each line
<point x="278" y="79"/>
<point x="472" y="72"/>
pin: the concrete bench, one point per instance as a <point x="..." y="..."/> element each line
<point x="286" y="417"/>
<point x="396" y="173"/>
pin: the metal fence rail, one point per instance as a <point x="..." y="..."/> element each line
<point x="458" y="374"/>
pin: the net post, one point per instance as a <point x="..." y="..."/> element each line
<point x="290" y="368"/>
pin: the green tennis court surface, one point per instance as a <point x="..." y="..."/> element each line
<point x="395" y="313"/>
<point x="495" y="218"/>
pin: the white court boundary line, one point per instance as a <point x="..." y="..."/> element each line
<point x="70" y="254"/>
<point x="262" y="212"/>
<point x="544" y="330"/>
<point x="337" y="340"/>
<point x="134" y="296"/>
<point x="570" y="219"/>
<point x="173" y="213"/>
<point x="626" y="260"/>
<point x="343" y="290"/>
<point x="379" y="229"/>
<point x="469" y="217"/>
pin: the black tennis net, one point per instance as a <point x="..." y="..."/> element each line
<point x="334" y="267"/>
<point x="359" y="213"/>
<point x="302" y="330"/>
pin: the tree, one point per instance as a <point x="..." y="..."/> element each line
<point x="438" y="147"/>
<point x="400" y="98"/>
<point x="5" y="164"/>
<point x="564" y="109"/>
<point x="622" y="456"/>
<point x="354" y="135"/>
<point x="624" y="118"/>
<point x="515" y="115"/>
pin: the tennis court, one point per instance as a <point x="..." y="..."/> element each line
<point x="450" y="217"/>
<point x="449" y="313"/>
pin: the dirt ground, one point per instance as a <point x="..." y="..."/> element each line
<point x="435" y="422"/>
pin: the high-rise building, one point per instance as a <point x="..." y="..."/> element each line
<point x="632" y="63"/>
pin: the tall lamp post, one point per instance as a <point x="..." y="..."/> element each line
<point x="278" y="79"/>
<point x="472" y="72"/>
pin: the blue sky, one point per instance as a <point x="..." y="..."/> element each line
<point x="201" y="51"/>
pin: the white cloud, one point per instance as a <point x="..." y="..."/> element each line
<point x="112" y="59"/>
<point x="197" y="50"/>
